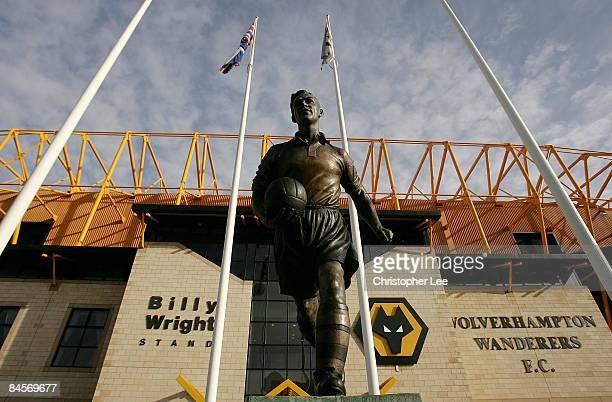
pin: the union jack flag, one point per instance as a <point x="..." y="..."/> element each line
<point x="236" y="58"/>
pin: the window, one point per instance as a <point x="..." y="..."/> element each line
<point x="33" y="233"/>
<point x="7" y="317"/>
<point x="531" y="242"/>
<point x="246" y="257"/>
<point x="277" y="350"/>
<point x="81" y="338"/>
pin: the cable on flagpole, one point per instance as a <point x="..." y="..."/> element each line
<point x="587" y="242"/>
<point x="364" y="304"/>
<point x="212" y="382"/>
<point x="30" y="189"/>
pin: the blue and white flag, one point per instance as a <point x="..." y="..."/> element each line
<point x="236" y="58"/>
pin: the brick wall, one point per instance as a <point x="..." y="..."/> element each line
<point x="453" y="367"/>
<point x="439" y="373"/>
<point x="27" y="352"/>
<point x="133" y="371"/>
<point x="577" y="372"/>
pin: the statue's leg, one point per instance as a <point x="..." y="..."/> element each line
<point x="333" y="329"/>
<point x="307" y="316"/>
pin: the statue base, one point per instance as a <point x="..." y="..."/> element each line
<point x="363" y="398"/>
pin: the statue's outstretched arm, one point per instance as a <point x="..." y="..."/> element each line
<point x="365" y="208"/>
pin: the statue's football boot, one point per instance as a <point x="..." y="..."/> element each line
<point x="329" y="382"/>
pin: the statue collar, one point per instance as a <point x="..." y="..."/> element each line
<point x="301" y="140"/>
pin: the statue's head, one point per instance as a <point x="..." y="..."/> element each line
<point x="305" y="107"/>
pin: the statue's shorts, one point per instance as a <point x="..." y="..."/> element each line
<point x="318" y="236"/>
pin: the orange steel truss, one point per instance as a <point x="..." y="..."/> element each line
<point x="117" y="166"/>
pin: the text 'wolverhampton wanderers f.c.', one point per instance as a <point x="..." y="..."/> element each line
<point x="312" y="244"/>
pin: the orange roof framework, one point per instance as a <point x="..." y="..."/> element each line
<point x="485" y="190"/>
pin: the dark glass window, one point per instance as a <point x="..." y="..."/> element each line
<point x="33" y="233"/>
<point x="531" y="242"/>
<point x="7" y="318"/>
<point x="277" y="350"/>
<point x="78" y="263"/>
<point x="245" y="263"/>
<point x="81" y="338"/>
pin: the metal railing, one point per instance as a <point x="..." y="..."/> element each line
<point x="182" y="165"/>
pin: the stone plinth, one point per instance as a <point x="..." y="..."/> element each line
<point x="364" y="398"/>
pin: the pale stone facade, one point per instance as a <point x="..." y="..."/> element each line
<point x="584" y="372"/>
<point x="453" y="367"/>
<point x="439" y="373"/>
<point x="140" y="363"/>
<point x="33" y="338"/>
<point x="148" y="372"/>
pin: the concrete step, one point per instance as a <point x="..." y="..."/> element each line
<point x="364" y="398"/>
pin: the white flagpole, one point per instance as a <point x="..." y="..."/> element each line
<point x="30" y="188"/>
<point x="587" y="242"/>
<point x="212" y="381"/>
<point x="364" y="305"/>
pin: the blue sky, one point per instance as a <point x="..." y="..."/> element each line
<point x="404" y="71"/>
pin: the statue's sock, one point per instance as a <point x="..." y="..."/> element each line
<point x="333" y="332"/>
<point x="307" y="328"/>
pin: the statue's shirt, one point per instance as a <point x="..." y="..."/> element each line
<point x="321" y="167"/>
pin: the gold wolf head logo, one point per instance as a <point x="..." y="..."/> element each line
<point x="399" y="332"/>
<point x="392" y="327"/>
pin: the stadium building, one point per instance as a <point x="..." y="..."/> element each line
<point x="109" y="288"/>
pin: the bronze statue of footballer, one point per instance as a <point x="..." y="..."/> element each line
<point x="314" y="256"/>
